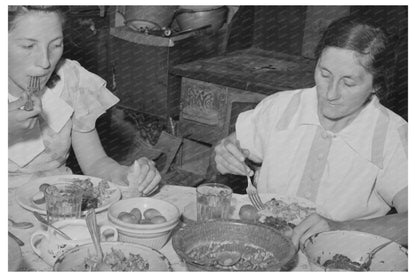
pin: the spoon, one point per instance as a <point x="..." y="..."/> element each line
<point x="44" y="221"/>
<point x="21" y="225"/>
<point x="91" y="220"/>
<point x="367" y="262"/>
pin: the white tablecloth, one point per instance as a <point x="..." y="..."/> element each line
<point x="178" y="195"/>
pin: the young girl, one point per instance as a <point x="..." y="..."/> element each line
<point x="63" y="109"/>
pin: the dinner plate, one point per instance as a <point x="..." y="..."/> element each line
<point x="265" y="197"/>
<point x="74" y="259"/>
<point x="238" y="200"/>
<point x="24" y="194"/>
<point x="15" y="255"/>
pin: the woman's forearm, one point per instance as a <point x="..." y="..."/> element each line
<point x="394" y="226"/>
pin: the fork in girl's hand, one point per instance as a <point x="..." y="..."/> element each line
<point x="33" y="87"/>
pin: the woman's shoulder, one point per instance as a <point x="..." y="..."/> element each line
<point x="394" y="119"/>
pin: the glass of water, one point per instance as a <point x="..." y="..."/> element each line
<point x="213" y="201"/>
<point x="63" y="201"/>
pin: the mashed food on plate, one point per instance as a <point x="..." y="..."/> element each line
<point x="117" y="261"/>
<point x="284" y="216"/>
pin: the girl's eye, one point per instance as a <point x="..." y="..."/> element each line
<point x="28" y="46"/>
<point x="57" y="45"/>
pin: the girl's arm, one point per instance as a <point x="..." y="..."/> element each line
<point x="94" y="162"/>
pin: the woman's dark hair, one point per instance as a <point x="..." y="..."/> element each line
<point x="367" y="39"/>
<point x="17" y="11"/>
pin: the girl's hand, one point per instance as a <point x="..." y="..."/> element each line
<point x="21" y="121"/>
<point x="143" y="175"/>
<point x="229" y="157"/>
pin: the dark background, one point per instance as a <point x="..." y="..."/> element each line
<point x="274" y="28"/>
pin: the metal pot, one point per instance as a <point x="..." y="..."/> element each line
<point x="192" y="19"/>
<point x="149" y="17"/>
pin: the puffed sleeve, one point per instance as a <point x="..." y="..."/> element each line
<point x="91" y="100"/>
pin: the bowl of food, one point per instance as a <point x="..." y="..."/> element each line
<point x="348" y="251"/>
<point x="144" y="220"/>
<point x="231" y="245"/>
<point x="118" y="256"/>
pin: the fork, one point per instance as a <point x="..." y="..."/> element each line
<point x="253" y="195"/>
<point x="366" y="264"/>
<point x="33" y="87"/>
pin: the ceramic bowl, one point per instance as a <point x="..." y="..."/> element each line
<point x="355" y="245"/>
<point x="152" y="235"/>
<point x="74" y="259"/>
<point x="238" y="234"/>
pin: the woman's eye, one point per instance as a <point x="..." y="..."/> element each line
<point x="349" y="83"/>
<point x="324" y="74"/>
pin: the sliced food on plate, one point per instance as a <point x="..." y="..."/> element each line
<point x="97" y="193"/>
<point x="282" y="213"/>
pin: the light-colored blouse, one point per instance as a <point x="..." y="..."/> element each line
<point x="75" y="103"/>
<point x="352" y="174"/>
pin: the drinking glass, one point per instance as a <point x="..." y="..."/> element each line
<point x="213" y="201"/>
<point x="63" y="201"/>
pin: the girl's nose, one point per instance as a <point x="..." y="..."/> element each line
<point x="43" y="59"/>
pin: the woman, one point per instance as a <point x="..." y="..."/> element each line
<point x="333" y="144"/>
<point x="65" y="108"/>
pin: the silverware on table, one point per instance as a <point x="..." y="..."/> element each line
<point x="367" y="262"/>
<point x="91" y="221"/>
<point x="44" y="221"/>
<point x="19" y="241"/>
<point x="21" y="225"/>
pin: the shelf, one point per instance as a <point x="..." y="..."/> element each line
<point x="127" y="34"/>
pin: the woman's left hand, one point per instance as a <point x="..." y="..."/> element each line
<point x="144" y="175"/>
<point x="313" y="224"/>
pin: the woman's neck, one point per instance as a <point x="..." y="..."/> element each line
<point x="336" y="125"/>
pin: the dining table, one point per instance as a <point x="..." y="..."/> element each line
<point x="181" y="196"/>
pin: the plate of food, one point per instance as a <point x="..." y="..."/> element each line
<point x="118" y="256"/>
<point x="97" y="193"/>
<point x="281" y="212"/>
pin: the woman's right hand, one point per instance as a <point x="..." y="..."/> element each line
<point x="20" y="120"/>
<point x="230" y="157"/>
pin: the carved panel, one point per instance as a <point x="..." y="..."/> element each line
<point x="203" y="102"/>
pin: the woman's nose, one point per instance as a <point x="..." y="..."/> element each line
<point x="333" y="91"/>
<point x="42" y="59"/>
